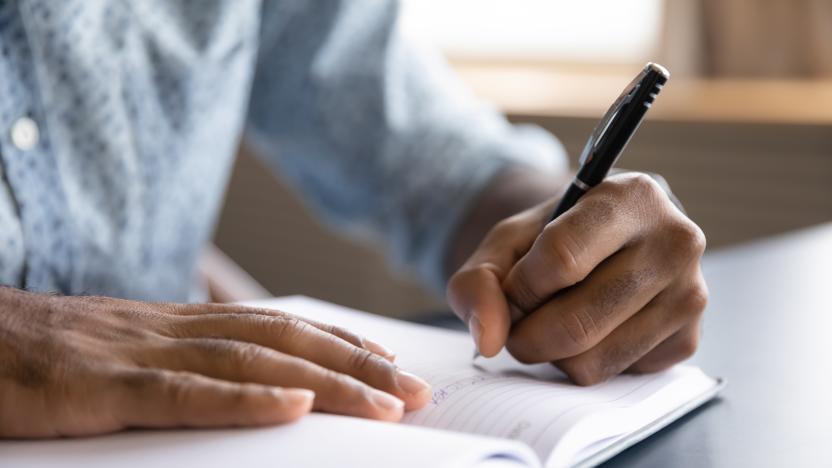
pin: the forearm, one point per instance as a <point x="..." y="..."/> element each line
<point x="511" y="191"/>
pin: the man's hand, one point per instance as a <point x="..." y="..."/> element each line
<point x="88" y="365"/>
<point x="612" y="285"/>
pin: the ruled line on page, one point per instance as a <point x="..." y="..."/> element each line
<point x="521" y="408"/>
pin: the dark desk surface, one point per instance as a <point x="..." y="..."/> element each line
<point x="768" y="331"/>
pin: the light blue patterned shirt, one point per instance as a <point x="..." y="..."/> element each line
<point x="119" y="121"/>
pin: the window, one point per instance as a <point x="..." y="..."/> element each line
<point x="576" y="31"/>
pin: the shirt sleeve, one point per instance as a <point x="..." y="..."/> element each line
<point x="376" y="133"/>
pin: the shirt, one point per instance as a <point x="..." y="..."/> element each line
<point x="119" y="122"/>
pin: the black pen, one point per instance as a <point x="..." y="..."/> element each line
<point x="613" y="133"/>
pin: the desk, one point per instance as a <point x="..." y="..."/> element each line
<point x="768" y="331"/>
<point x="558" y="90"/>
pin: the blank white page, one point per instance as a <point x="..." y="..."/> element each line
<point x="317" y="440"/>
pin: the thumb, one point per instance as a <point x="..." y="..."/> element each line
<point x="475" y="292"/>
<point x="476" y="296"/>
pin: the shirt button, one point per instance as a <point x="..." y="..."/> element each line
<point x="25" y="134"/>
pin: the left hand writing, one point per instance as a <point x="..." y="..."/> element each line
<point x="612" y="285"/>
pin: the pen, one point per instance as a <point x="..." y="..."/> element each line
<point x="612" y="134"/>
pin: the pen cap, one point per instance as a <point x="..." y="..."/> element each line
<point x="620" y="123"/>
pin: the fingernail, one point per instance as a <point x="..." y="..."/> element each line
<point x="410" y="383"/>
<point x="386" y="401"/>
<point x="379" y="349"/>
<point x="475" y="327"/>
<point x="295" y="396"/>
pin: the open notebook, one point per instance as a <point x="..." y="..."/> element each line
<point x="494" y="412"/>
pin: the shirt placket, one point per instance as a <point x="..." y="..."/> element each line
<point x="31" y="171"/>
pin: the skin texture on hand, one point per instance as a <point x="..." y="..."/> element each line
<point x="72" y="366"/>
<point x="612" y="285"/>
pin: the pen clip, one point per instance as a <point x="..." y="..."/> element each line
<point x="623" y="99"/>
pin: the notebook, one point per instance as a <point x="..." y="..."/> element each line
<point x="483" y="413"/>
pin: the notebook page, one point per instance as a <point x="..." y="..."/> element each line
<point x="549" y="416"/>
<point x="532" y="404"/>
<point x="318" y="440"/>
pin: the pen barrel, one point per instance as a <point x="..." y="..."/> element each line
<point x="573" y="193"/>
<point x="613" y="133"/>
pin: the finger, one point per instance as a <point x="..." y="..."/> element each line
<point x="475" y="292"/>
<point x="578" y="319"/>
<point x="231" y="309"/>
<point x="354" y="339"/>
<point x="678" y="347"/>
<point x="570" y="247"/>
<point x="161" y="398"/>
<point x="671" y="314"/>
<point x="247" y="362"/>
<point x="691" y="301"/>
<point x="291" y="335"/>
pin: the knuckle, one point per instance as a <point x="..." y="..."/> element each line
<point x="500" y="233"/>
<point x="687" y="346"/>
<point x="371" y="367"/>
<point x="344" y="388"/>
<point x="688" y="240"/>
<point x="504" y="227"/>
<point x="247" y="354"/>
<point x="642" y="186"/>
<point x="178" y="389"/>
<point x="610" y="295"/>
<point x="127" y="332"/>
<point x="521" y="292"/>
<point x="172" y="387"/>
<point x="334" y="379"/>
<point x="216" y="346"/>
<point x="564" y="254"/>
<point x="643" y="181"/>
<point x="695" y="299"/>
<point x="287" y="327"/>
<point x="580" y="328"/>
<point x="597" y="208"/>
<point x="237" y="396"/>
<point x="456" y="287"/>
<point x="339" y="332"/>
<point x="142" y="381"/>
<point x="222" y="353"/>
<point x="179" y="327"/>
<point x="361" y="360"/>
<point x="518" y="226"/>
<point x="346" y="335"/>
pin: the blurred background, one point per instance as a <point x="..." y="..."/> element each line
<point x="743" y="132"/>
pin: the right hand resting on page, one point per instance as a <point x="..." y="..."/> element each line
<point x="73" y="366"/>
